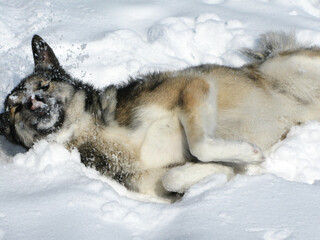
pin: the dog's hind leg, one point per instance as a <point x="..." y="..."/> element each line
<point x="198" y="111"/>
<point x="179" y="179"/>
<point x="149" y="182"/>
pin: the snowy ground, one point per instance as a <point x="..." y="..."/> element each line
<point x="47" y="193"/>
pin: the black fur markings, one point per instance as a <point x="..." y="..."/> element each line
<point x="7" y="129"/>
<point x="92" y="157"/>
<point x="5" y="125"/>
<point x="129" y="96"/>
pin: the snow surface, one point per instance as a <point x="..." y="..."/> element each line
<point x="46" y="193"/>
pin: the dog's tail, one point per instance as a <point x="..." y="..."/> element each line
<point x="272" y="43"/>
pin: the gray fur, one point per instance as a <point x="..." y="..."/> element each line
<point x="108" y="102"/>
<point x="271" y="43"/>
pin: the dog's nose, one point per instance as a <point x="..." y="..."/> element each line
<point x="34" y="102"/>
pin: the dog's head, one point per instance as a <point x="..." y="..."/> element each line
<point x="36" y="107"/>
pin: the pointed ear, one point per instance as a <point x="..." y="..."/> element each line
<point x="43" y="55"/>
<point x="5" y="124"/>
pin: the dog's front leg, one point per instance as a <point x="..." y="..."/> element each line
<point x="179" y="179"/>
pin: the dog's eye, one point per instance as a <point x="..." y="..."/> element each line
<point x="44" y="87"/>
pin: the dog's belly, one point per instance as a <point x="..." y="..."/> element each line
<point x="163" y="144"/>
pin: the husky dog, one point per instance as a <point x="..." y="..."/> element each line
<point x="163" y="132"/>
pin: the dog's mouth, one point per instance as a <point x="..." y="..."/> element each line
<point x="44" y="114"/>
<point x="38" y="106"/>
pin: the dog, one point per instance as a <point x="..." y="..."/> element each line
<point x="161" y="132"/>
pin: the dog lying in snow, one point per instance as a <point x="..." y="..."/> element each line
<point x="162" y="132"/>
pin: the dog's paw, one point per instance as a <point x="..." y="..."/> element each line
<point x="174" y="181"/>
<point x="180" y="179"/>
<point x="251" y="153"/>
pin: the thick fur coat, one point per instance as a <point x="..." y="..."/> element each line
<point x="162" y="132"/>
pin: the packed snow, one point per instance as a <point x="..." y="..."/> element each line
<point x="46" y="193"/>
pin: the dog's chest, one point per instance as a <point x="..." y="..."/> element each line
<point x="160" y="137"/>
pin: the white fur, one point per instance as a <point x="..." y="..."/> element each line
<point x="210" y="149"/>
<point x="299" y="73"/>
<point x="162" y="142"/>
<point x="179" y="179"/>
<point x="76" y="119"/>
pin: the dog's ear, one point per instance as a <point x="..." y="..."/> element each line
<point x="5" y="124"/>
<point x="43" y="55"/>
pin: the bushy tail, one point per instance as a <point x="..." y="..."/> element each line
<point x="270" y="44"/>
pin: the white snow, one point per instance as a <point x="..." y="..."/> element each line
<point x="297" y="158"/>
<point x="46" y="193"/>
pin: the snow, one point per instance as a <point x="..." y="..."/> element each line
<point x="46" y="193"/>
<point x="297" y="157"/>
